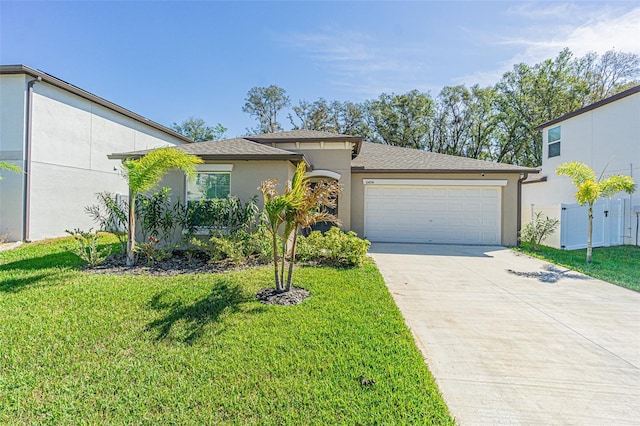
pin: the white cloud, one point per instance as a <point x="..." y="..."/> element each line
<point x="600" y="29"/>
<point x="359" y="63"/>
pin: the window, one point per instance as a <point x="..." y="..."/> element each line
<point x="553" y="141"/>
<point x="211" y="181"/>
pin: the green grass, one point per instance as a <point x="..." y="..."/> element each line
<point x="198" y="349"/>
<point x="618" y="265"/>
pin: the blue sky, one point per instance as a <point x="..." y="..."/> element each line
<point x="171" y="60"/>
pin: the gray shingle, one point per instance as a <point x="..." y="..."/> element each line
<point x="388" y="158"/>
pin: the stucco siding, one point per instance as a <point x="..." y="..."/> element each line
<point x="12" y="105"/>
<point x="607" y="139"/>
<point x="71" y="138"/>
<point x="509" y="198"/>
<point x="339" y="161"/>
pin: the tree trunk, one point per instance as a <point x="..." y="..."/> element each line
<point x="589" y="233"/>
<point x="131" y="241"/>
<point x="292" y="259"/>
<point x="275" y="263"/>
<point x="282" y="268"/>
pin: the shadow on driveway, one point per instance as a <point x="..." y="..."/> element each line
<point x="433" y="249"/>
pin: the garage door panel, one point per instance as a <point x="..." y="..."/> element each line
<point x="433" y="214"/>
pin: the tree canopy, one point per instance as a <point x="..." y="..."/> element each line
<point x="495" y="123"/>
<point x="197" y="130"/>
<point x="264" y="104"/>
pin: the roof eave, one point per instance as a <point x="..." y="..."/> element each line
<point x="451" y="171"/>
<point x="223" y="157"/>
<point x="591" y="107"/>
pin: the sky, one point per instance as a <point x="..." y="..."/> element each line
<point x="168" y="60"/>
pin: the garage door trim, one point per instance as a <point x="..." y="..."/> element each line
<point x="435" y="182"/>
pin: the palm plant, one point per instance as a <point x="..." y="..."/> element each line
<point x="299" y="206"/>
<point x="145" y="173"/>
<point x="10" y="167"/>
<point x="589" y="189"/>
<point x="316" y="199"/>
<point x="278" y="208"/>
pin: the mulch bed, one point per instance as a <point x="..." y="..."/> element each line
<point x="178" y="264"/>
<point x="269" y="296"/>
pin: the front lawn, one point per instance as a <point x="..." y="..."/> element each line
<point x="77" y="347"/>
<point x="618" y="265"/>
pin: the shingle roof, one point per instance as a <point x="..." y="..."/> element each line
<point x="237" y="148"/>
<point x="375" y="157"/>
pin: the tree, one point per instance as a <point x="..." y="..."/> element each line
<point x="263" y="104"/>
<point x="401" y="120"/>
<point x="196" y="129"/>
<point x="608" y="74"/>
<point x="277" y="209"/>
<point x="317" y="198"/>
<point x="347" y="118"/>
<point x="590" y="189"/>
<point x="9" y="167"/>
<point x="145" y="173"/>
<point x="301" y="205"/>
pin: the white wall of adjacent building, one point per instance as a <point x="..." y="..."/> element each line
<point x="71" y="138"/>
<point x="607" y="139"/>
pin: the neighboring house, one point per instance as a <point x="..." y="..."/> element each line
<point x="606" y="137"/>
<point x="60" y="136"/>
<point x="390" y="194"/>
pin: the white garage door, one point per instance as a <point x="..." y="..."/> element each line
<point x="433" y="214"/>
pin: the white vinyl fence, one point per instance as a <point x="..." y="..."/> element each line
<point x="608" y="225"/>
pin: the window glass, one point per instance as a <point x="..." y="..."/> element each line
<point x="554" y="149"/>
<point x="208" y="186"/>
<point x="554" y="134"/>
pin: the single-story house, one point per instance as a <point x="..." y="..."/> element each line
<point x="60" y="136"/>
<point x="390" y="194"/>
<point x="606" y="137"/>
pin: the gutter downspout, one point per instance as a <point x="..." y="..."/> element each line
<point x="523" y="177"/>
<point x="26" y="195"/>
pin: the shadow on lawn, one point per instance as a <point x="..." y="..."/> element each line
<point x="22" y="273"/>
<point x="225" y="297"/>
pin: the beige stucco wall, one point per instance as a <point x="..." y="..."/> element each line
<point x="335" y="157"/>
<point x="509" y="212"/>
<point x="246" y="177"/>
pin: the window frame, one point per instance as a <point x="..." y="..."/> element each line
<point x="554" y="144"/>
<point x="213" y="169"/>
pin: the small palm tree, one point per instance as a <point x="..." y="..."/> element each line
<point x="589" y="189"/>
<point x="316" y="199"/>
<point x="278" y="210"/>
<point x="299" y="206"/>
<point x="145" y="173"/>
<point x="9" y="167"/>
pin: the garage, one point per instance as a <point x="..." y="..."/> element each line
<point x="431" y="211"/>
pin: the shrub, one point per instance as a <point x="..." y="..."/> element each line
<point x="335" y="248"/>
<point x="538" y="230"/>
<point x="238" y="248"/>
<point x="221" y="216"/>
<point x="110" y="214"/>
<point x="87" y="248"/>
<point x="152" y="252"/>
<point x="158" y="216"/>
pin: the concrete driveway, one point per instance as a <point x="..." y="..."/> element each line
<point x="514" y="340"/>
